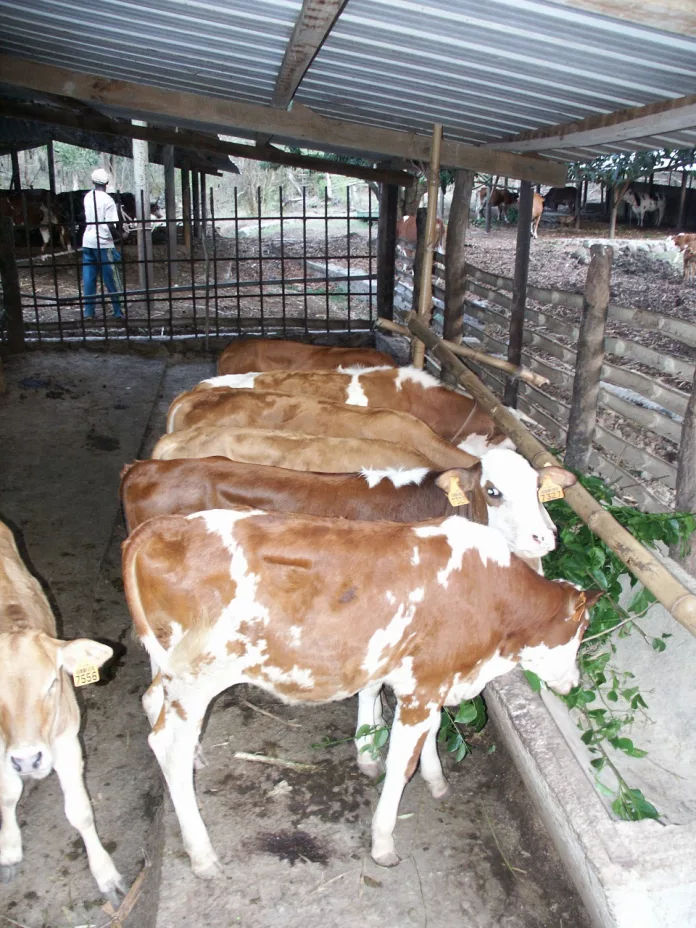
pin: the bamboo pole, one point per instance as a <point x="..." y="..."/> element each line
<point x="521" y="373"/>
<point x="425" y="296"/>
<point x="642" y="563"/>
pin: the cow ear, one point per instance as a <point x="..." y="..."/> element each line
<point x="559" y="475"/>
<point x="84" y="651"/>
<point x="591" y="597"/>
<point x="467" y="479"/>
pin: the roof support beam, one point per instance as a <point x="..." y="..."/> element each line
<point x="623" y="125"/>
<point x="187" y="143"/>
<point x="667" y="15"/>
<point x="300" y="124"/>
<point x="314" y="22"/>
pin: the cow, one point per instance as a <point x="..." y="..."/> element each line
<point x="39" y="715"/>
<point x="690" y="261"/>
<point x="641" y="202"/>
<point x="537" y="210"/>
<point x="272" y="354"/>
<point x="406" y="231"/>
<point x="70" y="208"/>
<point x="289" y="449"/>
<point x="502" y="198"/>
<point x="451" y="415"/>
<point x="308" y="415"/>
<point x="301" y="607"/>
<point x="30" y="209"/>
<point x="681" y="240"/>
<point x="561" y="196"/>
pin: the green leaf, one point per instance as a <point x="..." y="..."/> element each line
<point x="533" y="680"/>
<point x="381" y="737"/>
<point x="638" y="702"/>
<point x="467" y="713"/>
<point x="598" y="763"/>
<point x="613" y="696"/>
<point x="658" y="644"/>
<point x="462" y="751"/>
<point x="587" y="736"/>
<point x="364" y="730"/>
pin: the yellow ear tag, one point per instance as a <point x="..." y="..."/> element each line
<point x="85" y="673"/>
<point x="455" y="494"/>
<point x="549" y="489"/>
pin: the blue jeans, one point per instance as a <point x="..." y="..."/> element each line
<point x="104" y="260"/>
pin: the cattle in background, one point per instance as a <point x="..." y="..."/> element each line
<point x="407" y="231"/>
<point x="29" y="209"/>
<point x="70" y="208"/>
<point x="537" y="210"/>
<point x="455" y="417"/>
<point x="642" y="202"/>
<point x="681" y="240"/>
<point x="301" y="607"/>
<point x="690" y="261"/>
<point x="501" y="198"/>
<point x="39" y="715"/>
<point x="269" y="354"/>
<point x="561" y="196"/>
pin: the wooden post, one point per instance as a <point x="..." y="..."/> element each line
<point x="12" y="297"/>
<point x="578" y="204"/>
<point x="455" y="267"/>
<point x="642" y="563"/>
<point x="613" y="208"/>
<point x="682" y="200"/>
<point x="386" y="249"/>
<point x="584" y="191"/>
<point x="519" y="287"/>
<point x="196" y="197"/>
<point x="489" y="208"/>
<point x="588" y="369"/>
<point x="204" y="206"/>
<point x="141" y="177"/>
<point x="421" y="227"/>
<point x="170" y="205"/>
<point x="425" y="293"/>
<point x="186" y="208"/>
<point x="16" y="180"/>
<point x="686" y="478"/>
<point x="51" y="168"/>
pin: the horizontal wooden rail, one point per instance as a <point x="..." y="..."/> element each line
<point x="642" y="563"/>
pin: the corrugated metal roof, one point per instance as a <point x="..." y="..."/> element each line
<point x="486" y="69"/>
<point x="228" y="48"/>
<point x="489" y="69"/>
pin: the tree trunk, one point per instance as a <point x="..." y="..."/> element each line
<point x="455" y="267"/>
<point x="588" y="368"/>
<point x="519" y="287"/>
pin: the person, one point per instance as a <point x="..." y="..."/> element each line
<point x="98" y="251"/>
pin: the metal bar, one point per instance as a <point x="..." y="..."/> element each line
<point x="53" y="256"/>
<point x="348" y="247"/>
<point x="215" y="262"/>
<point x="369" y="247"/>
<point x="186" y="208"/>
<point x="326" y="251"/>
<point x="236" y="257"/>
<point x="282" y="253"/>
<point x="304" y="249"/>
<point x="11" y="294"/>
<point x="259" y="207"/>
<point x="50" y="158"/>
<point x="27" y="235"/>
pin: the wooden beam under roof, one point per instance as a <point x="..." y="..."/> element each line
<point x="664" y="15"/>
<point x="314" y="22"/>
<point x="622" y="126"/>
<point x="300" y="124"/>
<point x="187" y="142"/>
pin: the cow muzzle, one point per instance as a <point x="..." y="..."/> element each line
<point x="31" y="762"/>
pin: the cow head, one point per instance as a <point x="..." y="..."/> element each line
<point x="509" y="486"/>
<point x="35" y="696"/>
<point x="552" y="656"/>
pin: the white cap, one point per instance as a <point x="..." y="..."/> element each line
<point x="100" y="176"/>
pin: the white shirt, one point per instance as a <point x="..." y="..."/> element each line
<point x="106" y="212"/>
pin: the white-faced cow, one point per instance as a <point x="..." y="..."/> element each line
<point x="39" y="715"/>
<point x="301" y="607"/>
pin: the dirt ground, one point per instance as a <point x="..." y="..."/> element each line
<point x="294" y="844"/>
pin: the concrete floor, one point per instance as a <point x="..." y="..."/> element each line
<point x="295" y="845"/>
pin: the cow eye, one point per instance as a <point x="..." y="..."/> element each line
<point x="493" y="493"/>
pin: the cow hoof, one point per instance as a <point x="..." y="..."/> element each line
<point x="371" y="768"/>
<point x="388" y="859"/>
<point x="199" y="760"/>
<point x="439" y="789"/>
<point x="8" y="872"/>
<point x="207" y="870"/>
<point x="114" y="889"/>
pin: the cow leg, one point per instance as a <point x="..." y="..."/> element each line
<point x="174" y="740"/>
<point x="11" y="786"/>
<point x="369" y="713"/>
<point x="153" y="697"/>
<point x="405" y="746"/>
<point x="68" y="764"/>
<point x="430" y="766"/>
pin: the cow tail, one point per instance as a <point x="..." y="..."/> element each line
<point x="143" y="631"/>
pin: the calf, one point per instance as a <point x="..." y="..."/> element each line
<point x="288" y="449"/>
<point x="501" y="198"/>
<point x="311" y="416"/>
<point x="537" y="210"/>
<point x="301" y="607"/>
<point x="272" y="354"/>
<point x="449" y="414"/>
<point x="39" y="715"/>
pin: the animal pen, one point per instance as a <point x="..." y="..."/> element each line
<point x="210" y="272"/>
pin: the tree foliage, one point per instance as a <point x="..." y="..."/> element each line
<point x="624" y="167"/>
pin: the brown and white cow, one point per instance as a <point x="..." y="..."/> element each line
<point x="502" y="198"/>
<point x="272" y="354"/>
<point x="642" y="202"/>
<point x="30" y="210"/>
<point x="301" y="607"/>
<point x="292" y="450"/>
<point x="537" y="210"/>
<point x="39" y="715"/>
<point x="311" y="416"/>
<point x="455" y="417"/>
<point x="407" y="231"/>
<point x="690" y="261"/>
